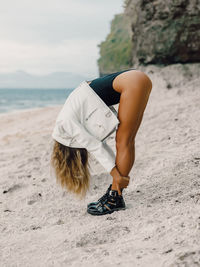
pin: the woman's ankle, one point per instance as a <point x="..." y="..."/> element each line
<point x="114" y="187"/>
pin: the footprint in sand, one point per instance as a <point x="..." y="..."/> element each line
<point x="190" y="258"/>
<point x="34" y="198"/>
<point x="103" y="236"/>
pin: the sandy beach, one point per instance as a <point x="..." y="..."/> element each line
<point x="43" y="225"/>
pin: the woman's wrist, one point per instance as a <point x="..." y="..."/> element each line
<point x="116" y="171"/>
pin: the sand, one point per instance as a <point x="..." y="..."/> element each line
<point x="43" y="225"/>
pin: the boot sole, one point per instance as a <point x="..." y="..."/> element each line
<point x="107" y="212"/>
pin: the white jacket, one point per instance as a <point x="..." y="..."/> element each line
<point x="85" y="121"/>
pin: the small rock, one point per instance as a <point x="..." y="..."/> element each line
<point x="168" y="251"/>
<point x="7" y="210"/>
<point x="30" y="202"/>
<point x="35" y="227"/>
<point x="59" y="222"/>
<point x="169" y="86"/>
<point x="110" y="218"/>
<point x="12" y="188"/>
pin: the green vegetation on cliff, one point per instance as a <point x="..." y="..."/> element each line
<point x="115" y="51"/>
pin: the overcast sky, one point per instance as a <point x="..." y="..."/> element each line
<point x="43" y="36"/>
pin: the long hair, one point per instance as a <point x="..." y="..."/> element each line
<point x="71" y="168"/>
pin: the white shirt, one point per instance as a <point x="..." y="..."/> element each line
<point x="85" y="121"/>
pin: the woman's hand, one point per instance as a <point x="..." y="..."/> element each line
<point x="119" y="181"/>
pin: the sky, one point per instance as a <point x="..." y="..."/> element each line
<point x="45" y="36"/>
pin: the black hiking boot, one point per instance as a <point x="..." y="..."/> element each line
<point x="110" y="202"/>
<point x="101" y="198"/>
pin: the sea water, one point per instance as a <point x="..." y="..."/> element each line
<point x="16" y="99"/>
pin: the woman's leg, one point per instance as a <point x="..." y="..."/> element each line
<point x="132" y="104"/>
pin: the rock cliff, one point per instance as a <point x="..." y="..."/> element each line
<point x="116" y="50"/>
<point x="162" y="33"/>
<point x="165" y="32"/>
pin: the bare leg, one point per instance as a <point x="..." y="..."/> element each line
<point x="125" y="156"/>
<point x="132" y="104"/>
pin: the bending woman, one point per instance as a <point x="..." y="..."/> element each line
<point x="75" y="134"/>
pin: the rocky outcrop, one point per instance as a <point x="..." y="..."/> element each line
<point x="116" y="50"/>
<point x="164" y="32"/>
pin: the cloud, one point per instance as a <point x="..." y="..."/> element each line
<point x="49" y="35"/>
<point x="72" y="56"/>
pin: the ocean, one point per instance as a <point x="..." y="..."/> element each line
<point x="16" y="99"/>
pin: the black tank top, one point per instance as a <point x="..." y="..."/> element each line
<point x="104" y="89"/>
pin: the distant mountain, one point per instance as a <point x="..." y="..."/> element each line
<point x="22" y="79"/>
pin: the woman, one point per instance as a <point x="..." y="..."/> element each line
<point x="82" y="126"/>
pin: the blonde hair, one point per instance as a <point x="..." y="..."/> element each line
<point x="71" y="168"/>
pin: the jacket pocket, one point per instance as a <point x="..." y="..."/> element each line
<point x="100" y="122"/>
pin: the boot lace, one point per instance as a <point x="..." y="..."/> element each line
<point x="105" y="196"/>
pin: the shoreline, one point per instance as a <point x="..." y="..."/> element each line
<point x="18" y="111"/>
<point x="15" y="100"/>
